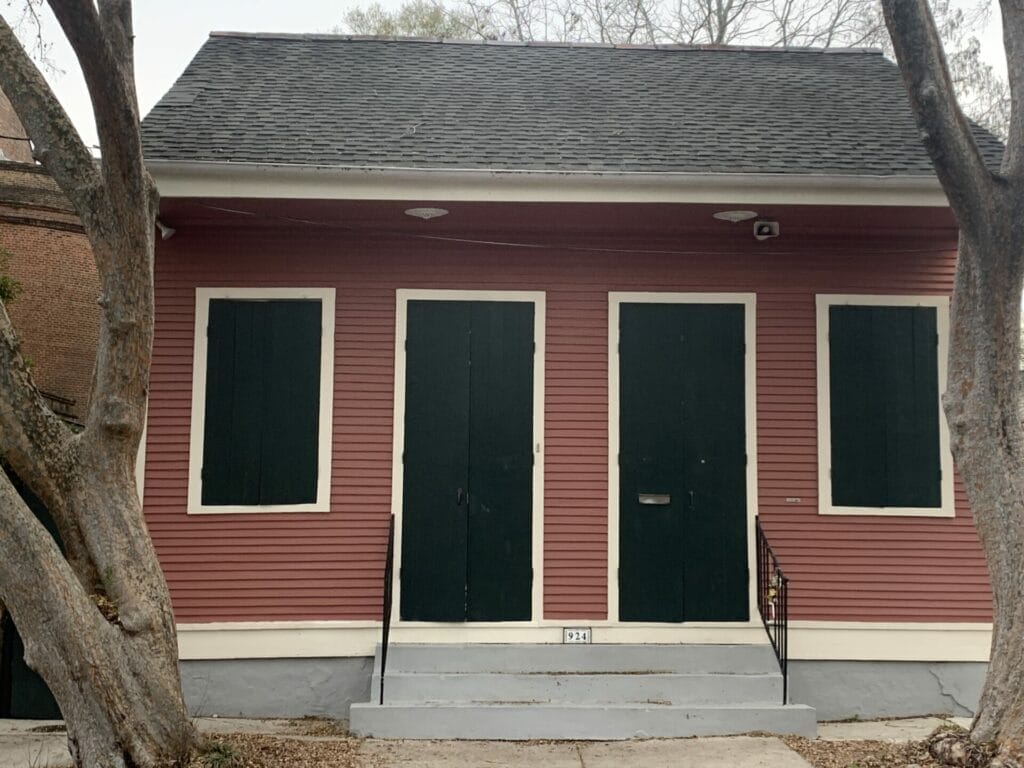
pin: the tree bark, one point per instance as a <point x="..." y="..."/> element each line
<point x="982" y="406"/>
<point x="113" y="685"/>
<point x="97" y="625"/>
<point x="982" y="400"/>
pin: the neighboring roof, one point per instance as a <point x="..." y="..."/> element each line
<point x="318" y="100"/>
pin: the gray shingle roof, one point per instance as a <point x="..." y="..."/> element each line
<point x="337" y="101"/>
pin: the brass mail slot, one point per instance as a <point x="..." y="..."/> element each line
<point x="654" y="499"/>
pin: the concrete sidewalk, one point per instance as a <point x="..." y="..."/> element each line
<point x="33" y="744"/>
<point x="725" y="752"/>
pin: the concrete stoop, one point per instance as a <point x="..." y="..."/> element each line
<point x="594" y="692"/>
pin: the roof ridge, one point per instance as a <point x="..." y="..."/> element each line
<point x="323" y="36"/>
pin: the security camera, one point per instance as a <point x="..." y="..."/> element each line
<point x="764" y="230"/>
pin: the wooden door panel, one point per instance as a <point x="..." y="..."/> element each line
<point x="682" y="495"/>
<point x="434" y="534"/>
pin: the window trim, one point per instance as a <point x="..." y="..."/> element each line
<point x="198" y="414"/>
<point x="825" y="505"/>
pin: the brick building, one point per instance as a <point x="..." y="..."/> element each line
<point x="12" y="145"/>
<point x="43" y="247"/>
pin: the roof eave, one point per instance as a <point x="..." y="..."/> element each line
<point x="278" y="181"/>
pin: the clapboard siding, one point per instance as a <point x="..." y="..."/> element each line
<point x="329" y="565"/>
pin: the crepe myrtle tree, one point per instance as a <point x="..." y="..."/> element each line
<point x="96" y="621"/>
<point x="984" y="387"/>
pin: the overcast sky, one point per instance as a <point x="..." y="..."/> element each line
<point x="167" y="36"/>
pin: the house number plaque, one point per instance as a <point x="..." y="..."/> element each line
<point x="575" y="634"/>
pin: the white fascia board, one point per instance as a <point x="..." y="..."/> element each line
<point x="212" y="179"/>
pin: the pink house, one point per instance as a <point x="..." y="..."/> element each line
<point x="582" y="320"/>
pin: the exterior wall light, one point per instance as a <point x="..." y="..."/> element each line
<point x="735" y="216"/>
<point x="426" y="213"/>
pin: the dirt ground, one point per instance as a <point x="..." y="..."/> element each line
<point x="860" y="754"/>
<point x="325" y="744"/>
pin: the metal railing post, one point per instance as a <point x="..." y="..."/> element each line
<point x="773" y="604"/>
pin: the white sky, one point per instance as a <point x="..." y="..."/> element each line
<point x="167" y="36"/>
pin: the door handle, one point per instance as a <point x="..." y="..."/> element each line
<point x="458" y="497"/>
<point x="654" y="499"/>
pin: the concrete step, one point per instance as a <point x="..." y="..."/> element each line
<point x="606" y="688"/>
<point x="594" y="659"/>
<point x="518" y="722"/>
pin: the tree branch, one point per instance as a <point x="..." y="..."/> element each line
<point x="32" y="439"/>
<point x="122" y="240"/>
<point x="958" y="163"/>
<point x="1013" y="43"/>
<point x="57" y="144"/>
<point x="39" y="448"/>
<point x="102" y="40"/>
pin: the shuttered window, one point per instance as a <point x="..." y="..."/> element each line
<point x="262" y="405"/>
<point x="883" y="372"/>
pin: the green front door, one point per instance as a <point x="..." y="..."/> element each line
<point x="468" y="462"/>
<point x="682" y="463"/>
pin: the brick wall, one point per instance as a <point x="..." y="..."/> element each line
<point x="10" y="126"/>
<point x="56" y="316"/>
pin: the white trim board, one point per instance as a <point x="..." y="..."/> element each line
<point x="196" y="430"/>
<point x="749" y="303"/>
<point x="140" y="457"/>
<point x="263" y="180"/>
<point x="809" y="640"/>
<point x="825" y="505"/>
<point x="891" y="641"/>
<point x="538" y="298"/>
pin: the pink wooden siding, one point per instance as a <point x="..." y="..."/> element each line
<point x="328" y="566"/>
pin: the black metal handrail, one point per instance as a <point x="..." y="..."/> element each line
<point x="389" y="577"/>
<point x="773" y="604"/>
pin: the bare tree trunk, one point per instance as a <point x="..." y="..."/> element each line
<point x="982" y="406"/>
<point x="97" y="625"/>
<point x="118" y="690"/>
<point x="982" y="401"/>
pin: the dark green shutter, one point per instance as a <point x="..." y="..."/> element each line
<point x="261" y="439"/>
<point x="884" y="408"/>
<point x="436" y="474"/>
<point x="467" y="488"/>
<point x="500" y="462"/>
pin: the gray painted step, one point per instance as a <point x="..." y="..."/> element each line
<point x="631" y="659"/>
<point x="521" y="692"/>
<point x="610" y="688"/>
<point x="575" y="721"/>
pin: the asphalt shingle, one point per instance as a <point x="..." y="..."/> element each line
<point x="340" y="101"/>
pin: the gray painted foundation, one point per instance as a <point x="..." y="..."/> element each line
<point x="275" y="687"/>
<point x="327" y="687"/>
<point x="839" y="690"/>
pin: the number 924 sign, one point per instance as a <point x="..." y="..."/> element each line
<point x="576" y="634"/>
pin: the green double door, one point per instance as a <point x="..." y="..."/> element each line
<point x="468" y="462"/>
<point x="682" y="463"/>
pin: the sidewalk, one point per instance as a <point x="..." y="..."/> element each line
<point x="23" y="745"/>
